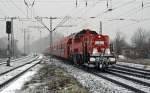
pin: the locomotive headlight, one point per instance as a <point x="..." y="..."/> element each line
<point x="107" y="51"/>
<point x="112" y="59"/>
<point x="95" y="50"/>
<point x="92" y="59"/>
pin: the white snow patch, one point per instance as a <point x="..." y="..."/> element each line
<point x="18" y="84"/>
<point x="121" y="57"/>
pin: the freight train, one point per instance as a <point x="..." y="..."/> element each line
<point x="86" y="47"/>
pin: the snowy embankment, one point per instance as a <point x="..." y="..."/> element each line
<point x="93" y="83"/>
<point x="18" y="83"/>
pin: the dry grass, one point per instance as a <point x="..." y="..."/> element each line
<point x="51" y="79"/>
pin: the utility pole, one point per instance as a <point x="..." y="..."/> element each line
<point x="13" y="54"/>
<point x="40" y="39"/>
<point x="51" y="38"/>
<point x="100" y="31"/>
<point x="29" y="6"/>
<point x="28" y="42"/>
<point x="8" y="51"/>
<point x="12" y="39"/>
<point x="76" y="3"/>
<point x="50" y="31"/>
<point x="24" y="41"/>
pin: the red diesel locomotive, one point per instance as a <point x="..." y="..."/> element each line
<point x="85" y="47"/>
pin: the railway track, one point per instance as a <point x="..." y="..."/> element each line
<point x="144" y="82"/>
<point x="132" y="70"/>
<point x="7" y="71"/>
<point x="3" y="61"/>
<point x="8" y="76"/>
<point x="135" y="85"/>
<point x="119" y="81"/>
<point x="129" y="67"/>
<point x="131" y="73"/>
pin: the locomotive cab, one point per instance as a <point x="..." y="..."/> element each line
<point x="101" y="54"/>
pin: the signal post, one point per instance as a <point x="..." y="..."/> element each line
<point x="8" y="31"/>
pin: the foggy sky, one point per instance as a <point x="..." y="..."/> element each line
<point x="130" y="10"/>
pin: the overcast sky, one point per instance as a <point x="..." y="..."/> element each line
<point x="130" y="10"/>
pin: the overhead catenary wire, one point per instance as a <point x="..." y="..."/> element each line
<point x="106" y="10"/>
<point x="17" y="7"/>
<point x="3" y="13"/>
<point x="138" y="11"/>
<point x="88" y="9"/>
<point x="84" y="8"/>
<point x="134" y="10"/>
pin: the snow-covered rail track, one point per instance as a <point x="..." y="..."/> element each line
<point x="131" y="72"/>
<point x="129" y="67"/>
<point x="122" y="82"/>
<point x="13" y="60"/>
<point x="7" y="71"/>
<point x="9" y="76"/>
<point x="145" y="82"/>
<point x="125" y="83"/>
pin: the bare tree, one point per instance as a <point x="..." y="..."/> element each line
<point x="139" y="42"/>
<point x="139" y="38"/>
<point x="119" y="43"/>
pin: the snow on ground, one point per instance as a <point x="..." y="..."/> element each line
<point x="4" y="68"/>
<point x="134" y="77"/>
<point x="134" y="65"/>
<point x="141" y="87"/>
<point x="15" y="72"/>
<point x="18" y="83"/>
<point x="93" y="83"/>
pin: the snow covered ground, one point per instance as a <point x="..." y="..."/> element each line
<point x="93" y="83"/>
<point x="146" y="67"/>
<point x="15" y="86"/>
<point x="15" y="72"/>
<point x="4" y="68"/>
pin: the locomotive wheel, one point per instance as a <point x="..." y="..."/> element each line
<point x="80" y="59"/>
<point x="99" y="66"/>
<point x="75" y="60"/>
<point x="102" y="66"/>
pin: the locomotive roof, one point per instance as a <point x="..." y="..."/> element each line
<point x="85" y="31"/>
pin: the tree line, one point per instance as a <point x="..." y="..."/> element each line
<point x="138" y="47"/>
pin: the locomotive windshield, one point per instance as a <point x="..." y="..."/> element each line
<point x="81" y="33"/>
<point x="99" y="42"/>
